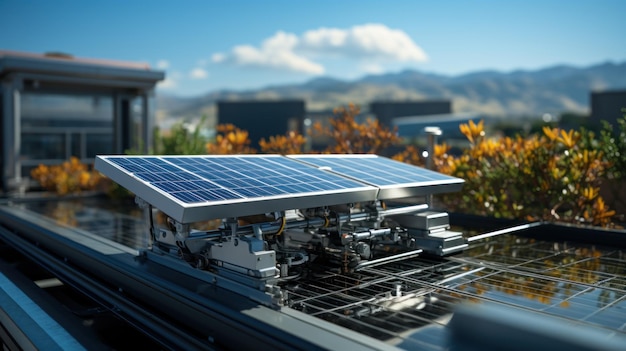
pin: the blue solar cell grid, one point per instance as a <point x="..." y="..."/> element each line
<point x="210" y="179"/>
<point x="377" y="171"/>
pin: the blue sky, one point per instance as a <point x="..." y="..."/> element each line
<point x="207" y="45"/>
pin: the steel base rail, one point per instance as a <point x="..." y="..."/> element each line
<point x="167" y="335"/>
<point x="179" y="311"/>
<point x="26" y="326"/>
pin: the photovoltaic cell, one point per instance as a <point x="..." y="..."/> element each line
<point x="171" y="179"/>
<point x="395" y="179"/>
<point x="238" y="185"/>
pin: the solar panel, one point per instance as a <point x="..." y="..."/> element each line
<point x="196" y="188"/>
<point x="395" y="179"/>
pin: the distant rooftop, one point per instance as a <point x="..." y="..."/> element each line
<point x="65" y="65"/>
<point x="64" y="57"/>
<point x="436" y="118"/>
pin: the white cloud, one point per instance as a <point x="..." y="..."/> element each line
<point x="218" y="57"/>
<point x="163" y="64"/>
<point x="275" y="52"/>
<point x="198" y="73"/>
<point x="368" y="43"/>
<point x="324" y="39"/>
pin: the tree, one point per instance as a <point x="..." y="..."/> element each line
<point x="71" y="176"/>
<point x="553" y="176"/>
<point x="181" y="140"/>
<point x="292" y="143"/>
<point x="230" y="140"/>
<point x="351" y="137"/>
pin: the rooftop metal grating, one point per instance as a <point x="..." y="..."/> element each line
<point x="407" y="303"/>
<point x="394" y="302"/>
<point x="119" y="223"/>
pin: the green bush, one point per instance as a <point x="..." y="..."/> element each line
<point x="554" y="176"/>
<point x="181" y="140"/>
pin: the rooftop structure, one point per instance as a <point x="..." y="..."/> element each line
<point x="411" y="127"/>
<point x="607" y="106"/>
<point x="531" y="286"/>
<point x="263" y="119"/>
<point x="386" y="111"/>
<point x="54" y="106"/>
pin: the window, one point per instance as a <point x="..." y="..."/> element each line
<point x="56" y="127"/>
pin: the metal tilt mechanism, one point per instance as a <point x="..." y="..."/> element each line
<point x="257" y="224"/>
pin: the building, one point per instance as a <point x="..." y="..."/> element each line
<point x="607" y="106"/>
<point x="386" y="111"/>
<point x="412" y="127"/>
<point x="262" y="119"/>
<point x="54" y="106"/>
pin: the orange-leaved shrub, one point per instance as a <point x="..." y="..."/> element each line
<point x="351" y="137"/>
<point x="292" y="143"/>
<point x="552" y="176"/>
<point x="71" y="176"/>
<point x="230" y="140"/>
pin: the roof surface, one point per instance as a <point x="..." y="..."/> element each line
<point x="68" y="65"/>
<point x="61" y="57"/>
<point x="409" y="303"/>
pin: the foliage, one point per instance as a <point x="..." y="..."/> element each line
<point x="440" y="158"/>
<point x="351" y="137"/>
<point x="552" y="176"/>
<point x="181" y="140"/>
<point x="411" y="155"/>
<point x="69" y="177"/>
<point x="230" y="140"/>
<point x="613" y="144"/>
<point x="292" y="143"/>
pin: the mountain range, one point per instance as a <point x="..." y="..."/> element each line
<point x="554" y="90"/>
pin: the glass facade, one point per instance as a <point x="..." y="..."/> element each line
<point x="64" y="110"/>
<point x="137" y="111"/>
<point x="56" y="127"/>
<point x="37" y="145"/>
<point x="52" y="109"/>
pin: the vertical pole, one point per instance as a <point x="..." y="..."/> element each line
<point x="431" y="139"/>
<point x="148" y="120"/>
<point x="17" y="133"/>
<point x="8" y="120"/>
<point x="11" y="134"/>
<point x="306" y="132"/>
<point x="117" y="124"/>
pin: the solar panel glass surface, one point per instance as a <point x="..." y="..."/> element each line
<point x="242" y="185"/>
<point x="375" y="170"/>
<point x="202" y="179"/>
